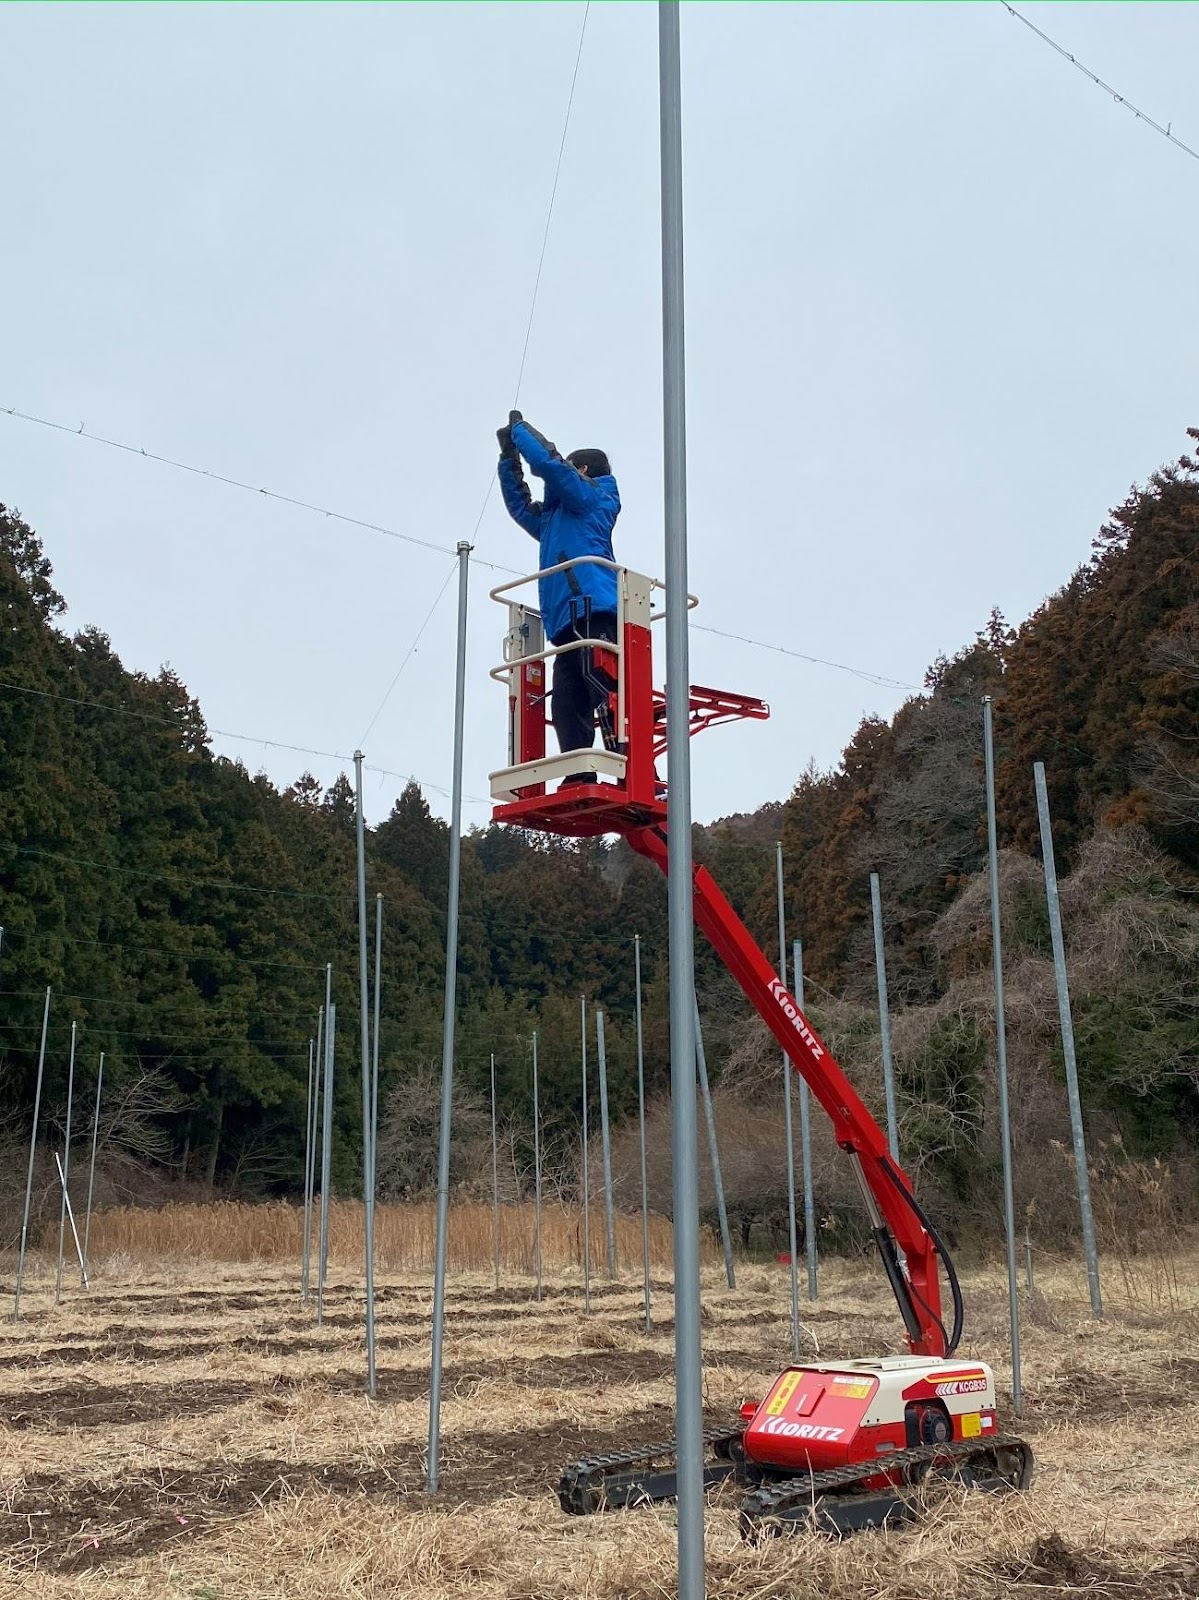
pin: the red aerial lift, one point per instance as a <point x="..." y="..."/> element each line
<point x="839" y="1446"/>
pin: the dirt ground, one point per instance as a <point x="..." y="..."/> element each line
<point x="183" y="1432"/>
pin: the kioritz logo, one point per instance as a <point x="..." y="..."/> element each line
<point x="792" y="1012"/>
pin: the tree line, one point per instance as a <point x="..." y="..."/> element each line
<point x="182" y="908"/>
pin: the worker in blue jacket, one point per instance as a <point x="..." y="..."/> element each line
<point x="576" y="518"/>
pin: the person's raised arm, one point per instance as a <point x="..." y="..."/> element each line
<point x="521" y="506"/>
<point x="571" y="487"/>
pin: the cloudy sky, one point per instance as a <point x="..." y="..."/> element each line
<point x="940" y="310"/>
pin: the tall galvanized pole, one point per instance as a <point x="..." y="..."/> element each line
<point x="649" y="1325"/>
<point x="91" y="1170"/>
<point x="495" y="1183"/>
<point x="586" y="1168"/>
<point x="1005" y="1124"/>
<point x="66" y="1171"/>
<point x="306" y="1229"/>
<point x="375" y="1048"/>
<point x="1067" y="1022"/>
<point x="688" y="1348"/>
<point x="322" y="1261"/>
<point x="792" y="1238"/>
<point x="37" y="1104"/>
<point x="310" y="1169"/>
<point x="609" y="1205"/>
<point x="805" y="1139"/>
<point x="364" y="1024"/>
<point x="447" y="1037"/>
<point x="536" y="1175"/>
<point x="884" y="1016"/>
<point x="701" y="1061"/>
<point x="71" y="1217"/>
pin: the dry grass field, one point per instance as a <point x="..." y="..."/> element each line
<point x="184" y="1429"/>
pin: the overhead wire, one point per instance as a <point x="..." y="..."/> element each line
<point x="225" y="733"/>
<point x="570" y="100"/>
<point x="1120" y="99"/>
<point x="549" y="216"/>
<point x="492" y="566"/>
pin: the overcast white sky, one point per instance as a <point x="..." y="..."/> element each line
<point x="940" y="310"/>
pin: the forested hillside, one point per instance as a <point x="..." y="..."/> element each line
<point x="182" y="909"/>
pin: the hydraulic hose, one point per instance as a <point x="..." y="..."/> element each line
<point x="955" y="1288"/>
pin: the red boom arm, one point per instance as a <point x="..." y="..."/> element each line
<point x="887" y="1191"/>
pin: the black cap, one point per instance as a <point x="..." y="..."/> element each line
<point x="595" y="461"/>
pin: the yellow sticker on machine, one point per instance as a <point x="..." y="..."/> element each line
<point x="786" y="1387"/>
<point x="972" y="1425"/>
<point x="852" y="1388"/>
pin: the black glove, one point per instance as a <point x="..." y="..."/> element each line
<point x="508" y="450"/>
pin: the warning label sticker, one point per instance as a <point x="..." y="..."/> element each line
<point x="787" y="1386"/>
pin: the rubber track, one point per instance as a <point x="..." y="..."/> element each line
<point x="579" y="1475"/>
<point x="776" y="1497"/>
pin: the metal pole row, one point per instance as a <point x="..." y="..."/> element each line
<point x="688" y="1346"/>
<point x="447" y="1050"/>
<point x="364" y="1028"/>
<point x="1005" y="1131"/>
<point x="792" y="1239"/>
<point x="37" y="1103"/>
<point x="884" y="1017"/>
<point x="1067" y="1022"/>
<point x="606" y="1143"/>
<point x="495" y="1183"/>
<point x="322" y="1264"/>
<point x="805" y="1138"/>
<point x="65" y="1170"/>
<point x="91" y="1172"/>
<point x="586" y="1170"/>
<point x="649" y="1326"/>
<point x="536" y="1176"/>
<point x="722" y="1215"/>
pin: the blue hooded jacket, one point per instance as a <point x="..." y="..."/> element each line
<point x="576" y="518"/>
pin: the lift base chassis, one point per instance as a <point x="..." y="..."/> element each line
<point x="837" y="1502"/>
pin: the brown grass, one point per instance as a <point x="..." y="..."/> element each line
<point x="186" y="1431"/>
<point x="404" y="1234"/>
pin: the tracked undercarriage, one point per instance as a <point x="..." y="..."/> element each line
<point x="836" y="1501"/>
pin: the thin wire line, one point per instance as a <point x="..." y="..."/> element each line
<point x="233" y="483"/>
<point x="549" y="216"/>
<point x="1120" y="99"/>
<point x="420" y="633"/>
<point x="820" y="661"/>
<point x="445" y="550"/>
<point x="176" y="882"/>
<point x="248" y="738"/>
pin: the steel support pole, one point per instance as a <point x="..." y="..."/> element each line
<point x="375" y="1051"/>
<point x="701" y="1062"/>
<point x="364" y="1028"/>
<point x="1067" y="1021"/>
<point x="649" y="1325"/>
<point x="1005" y="1123"/>
<point x="495" y="1183"/>
<point x="792" y="1237"/>
<point x="447" y="1036"/>
<point x="306" y="1223"/>
<point x="322" y="1262"/>
<point x="71" y="1217"/>
<point x="536" y="1176"/>
<point x="586" y="1168"/>
<point x="688" y="1347"/>
<point x="65" y="1171"/>
<point x="606" y="1140"/>
<point x="37" y="1103"/>
<point x="91" y="1172"/>
<point x="310" y="1168"/>
<point x="805" y="1140"/>
<point x="884" y="1016"/>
